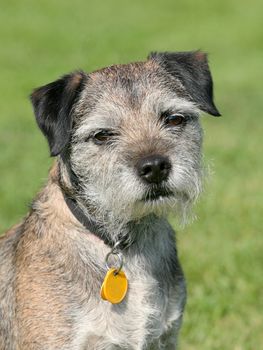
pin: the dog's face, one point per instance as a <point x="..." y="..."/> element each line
<point x="129" y="136"/>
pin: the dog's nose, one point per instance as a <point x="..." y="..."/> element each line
<point x="154" y="169"/>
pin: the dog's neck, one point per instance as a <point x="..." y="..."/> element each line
<point x="110" y="234"/>
<point x="93" y="227"/>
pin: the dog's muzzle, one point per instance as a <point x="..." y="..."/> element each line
<point x="154" y="169"/>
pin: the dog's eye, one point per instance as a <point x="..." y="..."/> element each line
<point x="102" y="136"/>
<point x="173" y="119"/>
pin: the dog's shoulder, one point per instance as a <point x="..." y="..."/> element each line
<point x="8" y="247"/>
<point x="8" y="244"/>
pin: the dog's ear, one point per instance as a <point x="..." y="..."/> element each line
<point x="192" y="69"/>
<point x="53" y="105"/>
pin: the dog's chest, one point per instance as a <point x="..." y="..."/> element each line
<point x="149" y="309"/>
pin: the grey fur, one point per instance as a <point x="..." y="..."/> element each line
<point x="51" y="267"/>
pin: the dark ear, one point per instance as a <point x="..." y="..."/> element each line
<point x="52" y="106"/>
<point x="192" y="69"/>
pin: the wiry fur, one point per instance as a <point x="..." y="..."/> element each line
<point x="136" y="119"/>
<point x="51" y="267"/>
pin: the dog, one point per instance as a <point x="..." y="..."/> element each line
<point x="128" y="144"/>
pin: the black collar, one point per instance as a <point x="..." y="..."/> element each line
<point x="92" y="226"/>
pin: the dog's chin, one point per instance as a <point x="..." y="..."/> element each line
<point x="162" y="203"/>
<point x="157" y="196"/>
<point x="155" y="202"/>
<point x="158" y="201"/>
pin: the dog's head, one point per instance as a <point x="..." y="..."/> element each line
<point x="128" y="136"/>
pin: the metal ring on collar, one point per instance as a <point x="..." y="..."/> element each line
<point x="120" y="260"/>
<point x="115" y="248"/>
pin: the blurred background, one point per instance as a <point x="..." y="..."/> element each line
<point x="222" y="251"/>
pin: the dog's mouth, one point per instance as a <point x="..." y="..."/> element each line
<point x="155" y="194"/>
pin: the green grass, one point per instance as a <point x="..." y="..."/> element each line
<point x="222" y="251"/>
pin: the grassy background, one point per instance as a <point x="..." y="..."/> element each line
<point x="222" y="251"/>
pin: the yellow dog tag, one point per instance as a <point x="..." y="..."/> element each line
<point x="114" y="286"/>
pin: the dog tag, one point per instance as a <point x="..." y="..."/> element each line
<point x="114" y="287"/>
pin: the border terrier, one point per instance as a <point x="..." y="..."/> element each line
<point x="128" y="144"/>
